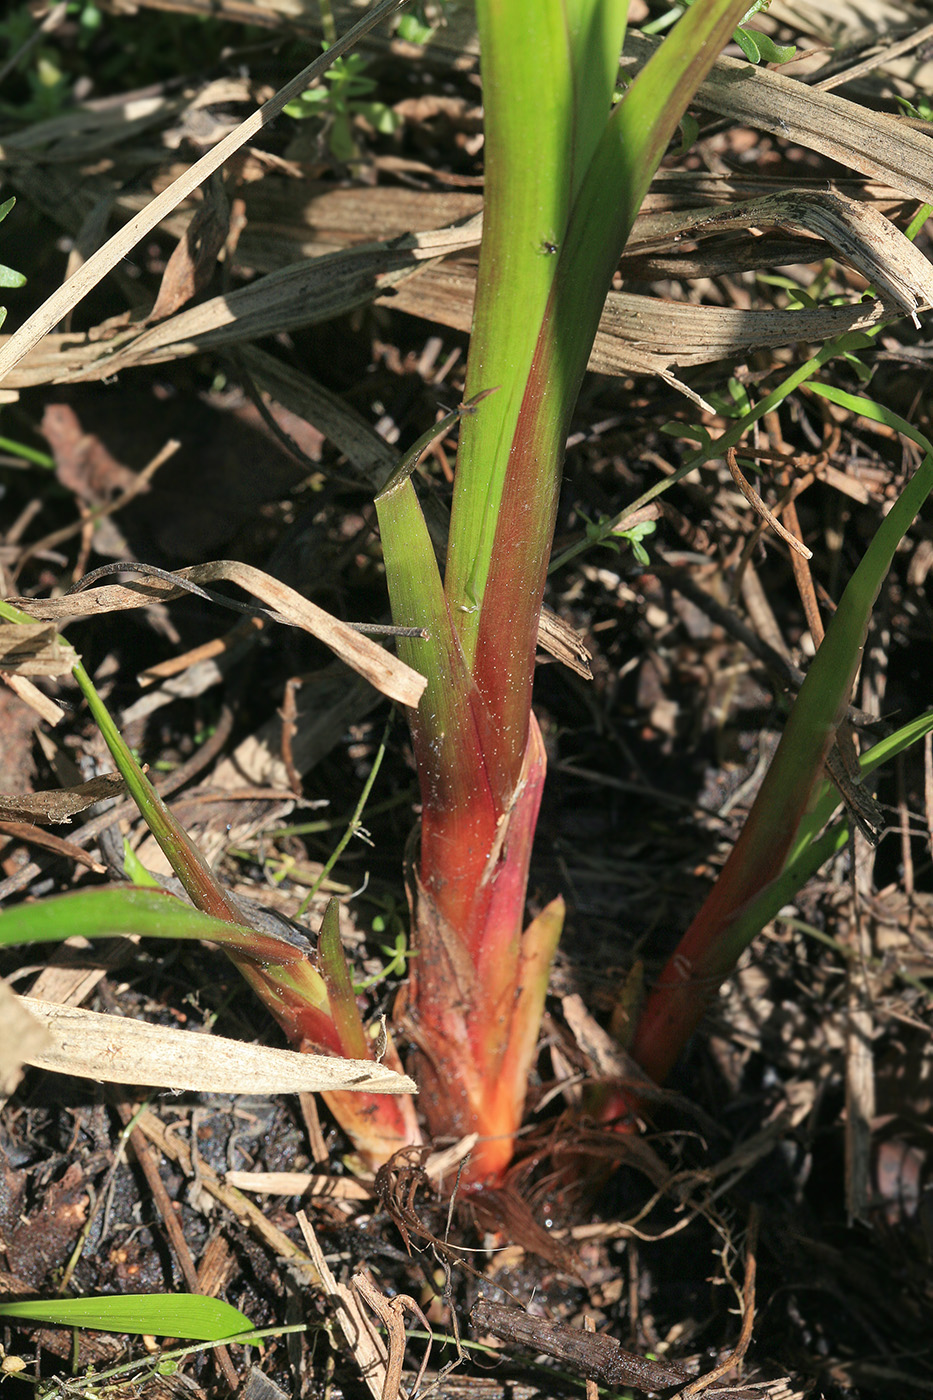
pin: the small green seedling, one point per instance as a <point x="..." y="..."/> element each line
<point x="345" y="94"/>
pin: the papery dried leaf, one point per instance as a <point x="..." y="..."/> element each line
<point x="59" y="804"/>
<point x="384" y="671"/>
<point x="34" y="650"/>
<point x="120" y="1050"/>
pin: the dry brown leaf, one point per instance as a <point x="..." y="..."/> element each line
<point x="858" y="231"/>
<point x="120" y="1050"/>
<point x="66" y="298"/>
<point x="59" y="804"/>
<point x="872" y="142"/>
<point x="32" y="696"/>
<point x="564" y="643"/>
<point x="644" y="335"/>
<point x="636" y="334"/>
<point x="383" y="671"/>
<point x="32" y="835"/>
<point x="34" y="649"/>
<point x="192" y="263"/>
<point x="21" y="1035"/>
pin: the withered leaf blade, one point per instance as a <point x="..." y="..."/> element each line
<point x="120" y="1050"/>
<point x="192" y="263"/>
<point x="59" y="804"/>
<point x="383" y="670"/>
<point x="564" y="643"/>
<point x="34" y="649"/>
<point x="20" y="1035"/>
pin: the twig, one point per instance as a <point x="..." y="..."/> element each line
<point x="755" y="501"/>
<point x="594" y="1356"/>
<point x="364" y="1341"/>
<point x="391" y="1311"/>
<point x="99" y="512"/>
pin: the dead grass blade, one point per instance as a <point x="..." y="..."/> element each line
<point x="383" y="671"/>
<point x="120" y="1050"/>
<point x="304" y="294"/>
<point x="66" y="298"/>
<point x="59" y="804"/>
<point x="870" y="142"/>
<point x="34" y="650"/>
<point x="21" y="1035"/>
<point x="368" y="1348"/>
<point x="644" y="335"/>
<point x="858" y="231"/>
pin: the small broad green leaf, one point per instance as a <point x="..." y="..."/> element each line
<point x="797" y="297"/>
<point x="91" y="18"/>
<point x="9" y="278"/>
<point x="635" y="535"/>
<point x="740" y="396"/>
<point x="413" y="30"/>
<point x="862" y="371"/>
<point x="148" y="1314"/>
<point x="747" y="43"/>
<point x="692" y="431"/>
<point x="772" y="52"/>
<point x="689" y="131"/>
<point x="136" y="872"/>
<point x="380" y="117"/>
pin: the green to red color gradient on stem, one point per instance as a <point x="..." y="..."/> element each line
<point x="565" y="173"/>
<point x="722" y="930"/>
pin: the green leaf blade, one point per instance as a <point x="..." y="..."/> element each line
<point x="146" y="1314"/>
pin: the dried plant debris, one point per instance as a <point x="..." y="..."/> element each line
<point x="37" y="650"/>
<point x="379" y="667"/>
<point x="60" y="805"/>
<point x="121" y="1050"/>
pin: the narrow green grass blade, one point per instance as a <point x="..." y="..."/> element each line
<point x="183" y="856"/>
<point x="417" y="595"/>
<point x="148" y="1314"/>
<point x="181" y="853"/>
<point x="810" y="851"/>
<point x="785" y="793"/>
<point x="723" y="927"/>
<point x="460" y="805"/>
<point x="150" y="913"/>
<point x="624" y="164"/>
<point x="509" y="467"/>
